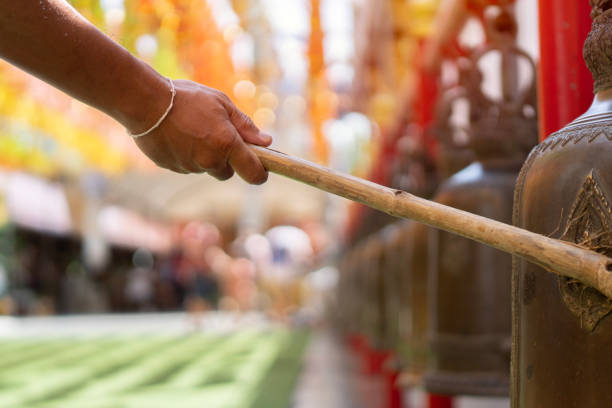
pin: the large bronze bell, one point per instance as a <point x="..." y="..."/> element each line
<point x="413" y="315"/>
<point x="374" y="292"/>
<point x="393" y="275"/>
<point x="351" y="289"/>
<point x="342" y="307"/>
<point x="404" y="267"/>
<point x="361" y="298"/>
<point x="562" y="329"/>
<point x="469" y="283"/>
<point x="410" y="262"/>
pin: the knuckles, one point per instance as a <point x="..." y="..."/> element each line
<point x="223" y="98"/>
<point x="244" y="122"/>
<point x="225" y="142"/>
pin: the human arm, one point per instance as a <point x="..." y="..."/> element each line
<point x="204" y="131"/>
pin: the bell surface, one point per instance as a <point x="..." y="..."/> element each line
<point x="562" y="328"/>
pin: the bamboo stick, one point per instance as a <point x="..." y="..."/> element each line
<point x="559" y="257"/>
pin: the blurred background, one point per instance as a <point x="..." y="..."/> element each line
<point x="125" y="285"/>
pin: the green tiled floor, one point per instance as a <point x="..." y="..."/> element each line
<point x="249" y="369"/>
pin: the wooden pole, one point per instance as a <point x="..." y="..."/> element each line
<point x="559" y="257"/>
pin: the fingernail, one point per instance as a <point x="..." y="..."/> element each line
<point x="265" y="138"/>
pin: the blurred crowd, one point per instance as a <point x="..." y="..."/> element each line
<point x="43" y="274"/>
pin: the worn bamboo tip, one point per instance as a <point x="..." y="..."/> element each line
<point x="604" y="276"/>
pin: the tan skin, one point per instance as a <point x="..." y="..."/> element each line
<point x="204" y="131"/>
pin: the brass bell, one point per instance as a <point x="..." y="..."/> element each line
<point x="562" y="328"/>
<point x="470" y="283"/>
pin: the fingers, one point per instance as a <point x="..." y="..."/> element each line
<point x="245" y="126"/>
<point x="246" y="164"/>
<point x="222" y="153"/>
<point x="222" y="174"/>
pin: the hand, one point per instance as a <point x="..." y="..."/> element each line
<point x="205" y="132"/>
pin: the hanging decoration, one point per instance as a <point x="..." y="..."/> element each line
<point x="320" y="97"/>
<point x="40" y="138"/>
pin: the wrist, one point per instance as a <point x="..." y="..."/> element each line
<point x="143" y="100"/>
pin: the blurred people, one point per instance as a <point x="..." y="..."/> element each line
<point x="78" y="293"/>
<point x="7" y="305"/>
<point x="139" y="286"/>
<point x="202" y="292"/>
<point x="240" y="284"/>
<point x="291" y="254"/>
<point x="168" y="290"/>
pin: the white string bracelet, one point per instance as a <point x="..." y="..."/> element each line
<point x="159" y="122"/>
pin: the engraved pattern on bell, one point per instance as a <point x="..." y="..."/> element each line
<point x="600" y="6"/>
<point x="589" y="224"/>
<point x="584" y="217"/>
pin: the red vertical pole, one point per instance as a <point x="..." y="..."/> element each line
<point x="439" y="401"/>
<point x="425" y="102"/>
<point x="565" y="83"/>
<point x="394" y="392"/>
